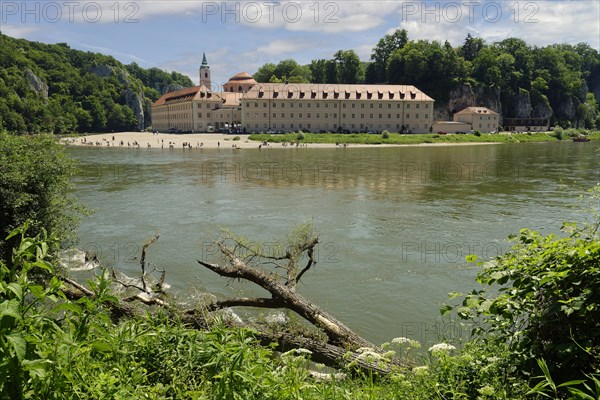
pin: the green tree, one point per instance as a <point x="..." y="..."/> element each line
<point x="265" y="73"/>
<point x="471" y="47"/>
<point x="318" y="70"/>
<point x="381" y="53"/>
<point x="35" y="185"/>
<point x="349" y="66"/>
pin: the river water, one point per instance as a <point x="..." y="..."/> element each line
<point x="396" y="223"/>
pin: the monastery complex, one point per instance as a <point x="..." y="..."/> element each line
<point x="247" y="106"/>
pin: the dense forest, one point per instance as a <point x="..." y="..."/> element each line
<point x="54" y="89"/>
<point x="560" y="82"/>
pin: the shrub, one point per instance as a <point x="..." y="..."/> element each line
<point x="236" y="138"/>
<point x="300" y="136"/>
<point x="477" y="133"/>
<point x="385" y="134"/>
<point x="35" y="178"/>
<point x="548" y="305"/>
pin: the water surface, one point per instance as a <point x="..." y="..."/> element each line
<point x="395" y="223"/>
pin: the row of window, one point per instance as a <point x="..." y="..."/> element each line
<point x="325" y="126"/>
<point x="309" y="104"/>
<point x="334" y="115"/>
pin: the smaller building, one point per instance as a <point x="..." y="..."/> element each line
<point x="450" y="127"/>
<point x="481" y="119"/>
<point x="526" y="124"/>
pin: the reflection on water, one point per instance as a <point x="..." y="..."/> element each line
<point x="396" y="223"/>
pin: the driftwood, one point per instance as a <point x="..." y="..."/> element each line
<point x="283" y="296"/>
<point x="342" y="347"/>
<point x="342" y="343"/>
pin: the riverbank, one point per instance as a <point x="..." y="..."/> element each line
<point x="313" y="140"/>
<point x="414" y="139"/>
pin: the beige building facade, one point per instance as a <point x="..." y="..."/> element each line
<point x="195" y="109"/>
<point x="481" y="119"/>
<point x="339" y="107"/>
<point x="451" y="127"/>
<point x="264" y="107"/>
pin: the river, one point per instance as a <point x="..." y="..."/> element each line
<point x="395" y="223"/>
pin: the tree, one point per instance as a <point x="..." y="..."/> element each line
<point x="349" y="67"/>
<point x="265" y="73"/>
<point x="34" y="186"/>
<point x="318" y="71"/>
<point x="471" y="47"/>
<point x="381" y="53"/>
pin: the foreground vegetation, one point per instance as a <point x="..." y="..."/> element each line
<point x="537" y="328"/>
<point x="395" y="138"/>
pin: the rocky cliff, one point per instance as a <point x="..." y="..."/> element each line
<point x="520" y="105"/>
<point x="38" y="85"/>
<point x="134" y="96"/>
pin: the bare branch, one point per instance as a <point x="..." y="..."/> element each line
<point x="248" y="302"/>
<point x="79" y="287"/>
<point x="143" y="260"/>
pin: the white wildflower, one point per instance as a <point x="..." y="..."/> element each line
<point x="296" y="351"/>
<point x="364" y="349"/>
<point x="420" y="371"/>
<point x="369" y="356"/>
<point x="401" y="340"/>
<point x="441" y="348"/>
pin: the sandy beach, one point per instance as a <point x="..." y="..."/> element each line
<point x="203" y="140"/>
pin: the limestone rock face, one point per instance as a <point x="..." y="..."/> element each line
<point x="134" y="97"/>
<point x="103" y="71"/>
<point x="523" y="104"/>
<point x="136" y="102"/>
<point x="465" y="95"/>
<point x="162" y="89"/>
<point x="36" y="83"/>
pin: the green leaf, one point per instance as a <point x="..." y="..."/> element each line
<point x="18" y="343"/>
<point x="464" y="312"/>
<point x="37" y="291"/>
<point x="101" y="346"/>
<point x="36" y="368"/>
<point x="453" y="295"/>
<point x="68" y="306"/>
<point x="10" y="308"/>
<point x="16" y="289"/>
<point x="445" y="309"/>
<point x="572" y="383"/>
<point x="471" y="258"/>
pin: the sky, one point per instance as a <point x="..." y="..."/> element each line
<point x="243" y="35"/>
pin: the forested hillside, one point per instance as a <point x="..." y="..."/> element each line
<point x="55" y="89"/>
<point x="560" y="82"/>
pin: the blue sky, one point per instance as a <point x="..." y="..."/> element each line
<point x="243" y="35"/>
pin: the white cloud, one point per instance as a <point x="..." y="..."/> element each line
<point x="283" y="46"/>
<point x="18" y="31"/>
<point x="538" y="23"/>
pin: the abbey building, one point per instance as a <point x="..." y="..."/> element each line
<point x="260" y="107"/>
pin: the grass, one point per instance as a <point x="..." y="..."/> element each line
<point x="395" y="138"/>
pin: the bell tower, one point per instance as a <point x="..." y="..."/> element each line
<point x="205" y="73"/>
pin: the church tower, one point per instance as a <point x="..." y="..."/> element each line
<point x="205" y="73"/>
